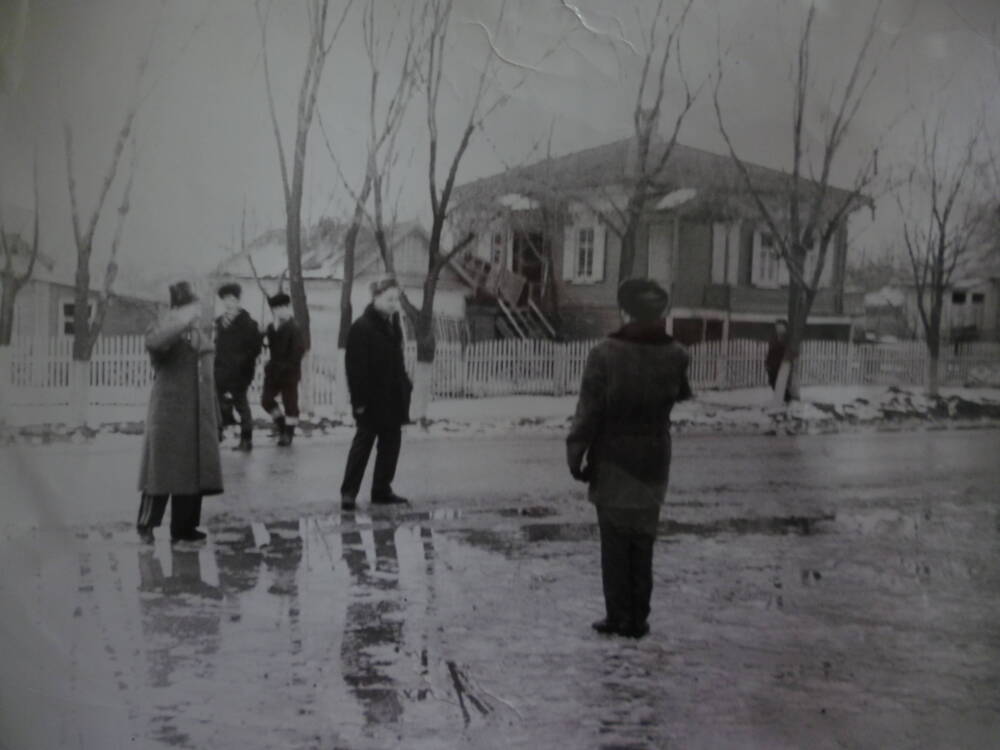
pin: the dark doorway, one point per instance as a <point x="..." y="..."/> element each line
<point x="530" y="251"/>
<point x="713" y="330"/>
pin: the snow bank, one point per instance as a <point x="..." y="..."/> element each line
<point x="822" y="409"/>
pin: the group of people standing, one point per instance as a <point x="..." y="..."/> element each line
<point x="203" y="371"/>
<point x="619" y="443"/>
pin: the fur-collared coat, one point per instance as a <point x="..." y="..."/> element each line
<point x="180" y="455"/>
<point x="621" y="427"/>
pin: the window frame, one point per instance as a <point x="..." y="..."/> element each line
<point x="66" y="319"/>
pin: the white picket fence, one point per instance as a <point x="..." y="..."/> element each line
<point x="38" y="372"/>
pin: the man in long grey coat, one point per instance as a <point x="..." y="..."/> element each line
<point x="180" y="455"/>
<point x="621" y="429"/>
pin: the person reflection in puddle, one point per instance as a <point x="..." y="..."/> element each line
<point x="373" y="627"/>
<point x="174" y="613"/>
<point x="621" y="428"/>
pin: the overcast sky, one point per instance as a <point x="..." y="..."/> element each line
<point x="205" y="143"/>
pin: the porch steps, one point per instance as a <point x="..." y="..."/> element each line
<point x="507" y="288"/>
<point x="525" y="322"/>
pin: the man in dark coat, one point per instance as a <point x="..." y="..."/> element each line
<point x="237" y="346"/>
<point x="180" y="454"/>
<point x="283" y="370"/>
<point x="775" y="354"/>
<point x="380" y="394"/>
<point x="621" y="429"/>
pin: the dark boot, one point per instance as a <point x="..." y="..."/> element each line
<point x="607" y="627"/>
<point x="279" y="427"/>
<point x="287" y="434"/>
<point x="245" y="445"/>
<point x="347" y="501"/>
<point x="389" y="498"/>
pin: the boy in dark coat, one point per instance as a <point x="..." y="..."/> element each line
<point x="180" y="454"/>
<point x="621" y="429"/>
<point x="283" y="370"/>
<point x="237" y="346"/>
<point x="775" y="354"/>
<point x="380" y="394"/>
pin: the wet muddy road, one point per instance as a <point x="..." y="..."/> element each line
<point x="834" y="591"/>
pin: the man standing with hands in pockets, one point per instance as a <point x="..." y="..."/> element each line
<point x="380" y="394"/>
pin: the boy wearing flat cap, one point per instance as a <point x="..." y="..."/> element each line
<point x="619" y="444"/>
<point x="380" y="395"/>
<point x="283" y="370"/>
<point x="237" y="346"/>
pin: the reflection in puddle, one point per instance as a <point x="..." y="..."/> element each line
<point x="513" y="541"/>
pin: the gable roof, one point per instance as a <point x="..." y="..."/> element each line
<point x="717" y="180"/>
<point x="322" y="254"/>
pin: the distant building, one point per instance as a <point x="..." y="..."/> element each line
<point x="46" y="304"/>
<point x="970" y="311"/>
<point x="323" y="272"/>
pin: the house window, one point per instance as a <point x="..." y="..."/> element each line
<point x="497" y="248"/>
<point x="958" y="298"/>
<point x="67" y="314"/>
<point x="585" y="253"/>
<point x="584" y="247"/>
<point x="978" y="298"/>
<point x="768" y="264"/>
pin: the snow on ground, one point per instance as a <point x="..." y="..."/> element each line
<point x="750" y="410"/>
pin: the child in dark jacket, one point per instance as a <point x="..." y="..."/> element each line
<point x="283" y="370"/>
<point x="237" y="346"/>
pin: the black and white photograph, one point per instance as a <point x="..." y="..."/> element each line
<point x="501" y="374"/>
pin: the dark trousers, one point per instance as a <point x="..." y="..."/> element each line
<point x="236" y="398"/>
<point x="288" y="390"/>
<point x="627" y="539"/>
<point x="389" y="442"/>
<point x="185" y="512"/>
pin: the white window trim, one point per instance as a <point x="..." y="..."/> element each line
<point x="571" y="249"/>
<point x="777" y="276"/>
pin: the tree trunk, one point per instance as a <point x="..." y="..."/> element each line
<point x="799" y="302"/>
<point x="8" y="297"/>
<point x="79" y="392"/>
<point x="630" y="237"/>
<point x="81" y="303"/>
<point x="296" y="284"/>
<point x="933" y="361"/>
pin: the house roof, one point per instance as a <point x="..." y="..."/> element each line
<point x="717" y="180"/>
<point x="322" y="255"/>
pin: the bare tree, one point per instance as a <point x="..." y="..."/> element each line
<point x="804" y="211"/>
<point x="85" y="330"/>
<point x="321" y="41"/>
<point x="381" y="142"/>
<point x="435" y="20"/>
<point x="13" y="280"/>
<point x="659" y="52"/>
<point x="943" y="217"/>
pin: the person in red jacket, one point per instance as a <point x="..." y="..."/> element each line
<point x="621" y="429"/>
